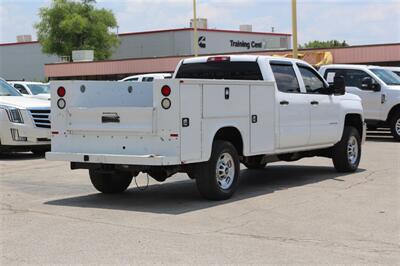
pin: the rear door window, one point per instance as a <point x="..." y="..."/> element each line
<point x="285" y="78"/>
<point x="221" y="70"/>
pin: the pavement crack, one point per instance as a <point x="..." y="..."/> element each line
<point x="366" y="178"/>
<point x="9" y="207"/>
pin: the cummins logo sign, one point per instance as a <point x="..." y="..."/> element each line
<point x="202" y="42"/>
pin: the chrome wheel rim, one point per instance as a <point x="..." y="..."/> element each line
<point x="225" y="171"/>
<point x="397" y="126"/>
<point x="352" y="150"/>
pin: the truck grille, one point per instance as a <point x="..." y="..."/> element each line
<point x="41" y="117"/>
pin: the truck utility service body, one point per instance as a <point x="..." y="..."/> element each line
<point x="176" y="125"/>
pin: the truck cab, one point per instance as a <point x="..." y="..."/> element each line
<point x="215" y="113"/>
<point x="379" y="90"/>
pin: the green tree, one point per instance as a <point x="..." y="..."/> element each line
<point x="324" y="44"/>
<point x="68" y="25"/>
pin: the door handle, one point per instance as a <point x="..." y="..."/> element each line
<point x="314" y="102"/>
<point x="284" y="103"/>
<point x="226" y="93"/>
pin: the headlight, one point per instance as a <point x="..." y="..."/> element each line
<point x="14" y="114"/>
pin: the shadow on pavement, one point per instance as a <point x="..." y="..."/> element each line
<point x="14" y="156"/>
<point x="380" y="136"/>
<point x="182" y="196"/>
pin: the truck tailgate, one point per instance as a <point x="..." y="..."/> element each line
<point x="107" y="119"/>
<point x="115" y="122"/>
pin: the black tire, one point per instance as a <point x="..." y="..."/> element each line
<point x="208" y="184"/>
<point x="342" y="158"/>
<point x="254" y="164"/>
<point x="395" y="126"/>
<point x="110" y="183"/>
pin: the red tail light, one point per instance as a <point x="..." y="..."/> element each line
<point x="218" y="59"/>
<point x="61" y="92"/>
<point x="165" y="91"/>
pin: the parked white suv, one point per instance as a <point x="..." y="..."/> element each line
<point x="379" y="90"/>
<point x="32" y="89"/>
<point x="216" y="113"/>
<point x="147" y="77"/>
<point x="24" y="122"/>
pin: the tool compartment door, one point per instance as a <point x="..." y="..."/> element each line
<point x="262" y="118"/>
<point x="190" y="120"/>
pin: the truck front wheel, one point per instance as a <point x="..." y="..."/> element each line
<point x="218" y="178"/>
<point x="346" y="153"/>
<point x="110" y="182"/>
<point x="395" y="125"/>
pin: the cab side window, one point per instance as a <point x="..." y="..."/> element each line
<point x="352" y="77"/>
<point x="312" y="81"/>
<point x="132" y="79"/>
<point x="285" y="77"/>
<point x="148" y="79"/>
<point x="21" y="89"/>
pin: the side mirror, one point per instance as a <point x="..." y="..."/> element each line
<point x="369" y="84"/>
<point x="339" y="86"/>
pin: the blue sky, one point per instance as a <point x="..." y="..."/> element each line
<point x="356" y="21"/>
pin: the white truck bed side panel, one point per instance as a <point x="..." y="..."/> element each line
<point x="212" y="125"/>
<point x="262" y="126"/>
<point x="227" y="100"/>
<point x="191" y="109"/>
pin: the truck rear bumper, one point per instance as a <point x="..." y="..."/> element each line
<point x="113" y="159"/>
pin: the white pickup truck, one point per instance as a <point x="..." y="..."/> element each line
<point x="215" y="113"/>
<point x="379" y="90"/>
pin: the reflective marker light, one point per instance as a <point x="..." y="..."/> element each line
<point x="165" y="90"/>
<point x="61" y="103"/>
<point x="61" y="92"/>
<point x="166" y="103"/>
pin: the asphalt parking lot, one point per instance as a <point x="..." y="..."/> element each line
<point x="302" y="212"/>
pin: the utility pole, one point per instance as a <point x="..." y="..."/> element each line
<point x="195" y="35"/>
<point x="294" y="28"/>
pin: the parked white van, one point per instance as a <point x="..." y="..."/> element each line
<point x="379" y="90"/>
<point x="24" y="121"/>
<point x="147" y="77"/>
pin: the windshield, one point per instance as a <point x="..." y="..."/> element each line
<point x="7" y="90"/>
<point x="387" y="76"/>
<point x="39" y="88"/>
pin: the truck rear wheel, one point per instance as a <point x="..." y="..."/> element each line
<point x="347" y="152"/>
<point x="395" y="125"/>
<point x="218" y="178"/>
<point x="110" y="183"/>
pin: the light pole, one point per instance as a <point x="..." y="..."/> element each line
<point x="195" y="35"/>
<point x="294" y="28"/>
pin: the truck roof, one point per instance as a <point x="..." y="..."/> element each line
<point x="237" y="58"/>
